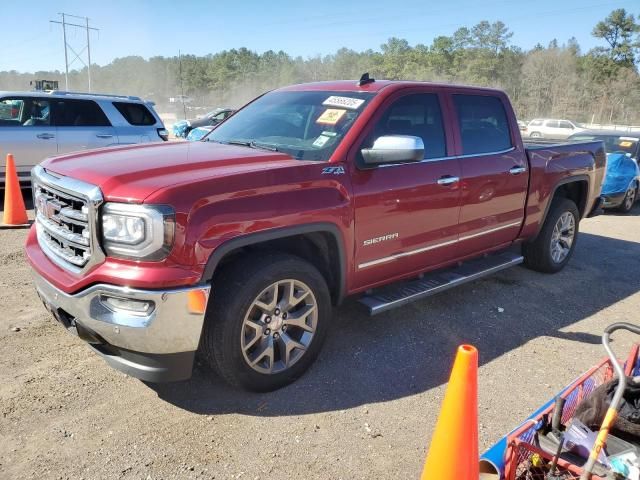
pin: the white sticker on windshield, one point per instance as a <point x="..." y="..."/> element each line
<point x="344" y="102"/>
<point x="321" y="140"/>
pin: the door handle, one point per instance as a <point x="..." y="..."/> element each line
<point x="448" y="180"/>
<point x="517" y="170"/>
<point x="104" y="135"/>
<point x="45" y="136"/>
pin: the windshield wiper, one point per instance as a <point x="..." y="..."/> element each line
<point x="253" y="144"/>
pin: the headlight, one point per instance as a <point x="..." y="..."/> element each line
<point x="142" y="232"/>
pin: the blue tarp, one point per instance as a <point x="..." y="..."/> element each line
<point x="621" y="170"/>
<point x="180" y="128"/>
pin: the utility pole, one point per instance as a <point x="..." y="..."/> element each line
<point x="67" y="47"/>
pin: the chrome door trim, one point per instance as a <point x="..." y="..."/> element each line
<point x="450" y="157"/>
<point x="397" y="256"/>
<point x="491" y="230"/>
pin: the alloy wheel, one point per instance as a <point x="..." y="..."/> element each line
<point x="563" y="236"/>
<point x="279" y="326"/>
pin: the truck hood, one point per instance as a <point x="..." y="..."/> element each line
<point x="132" y="173"/>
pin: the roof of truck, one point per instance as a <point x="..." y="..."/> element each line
<point x="375" y="86"/>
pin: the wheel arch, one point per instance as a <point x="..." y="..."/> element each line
<point x="574" y="188"/>
<point x="321" y="244"/>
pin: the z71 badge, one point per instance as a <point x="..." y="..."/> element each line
<point x="333" y="171"/>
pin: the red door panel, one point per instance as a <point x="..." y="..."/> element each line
<point x="405" y="220"/>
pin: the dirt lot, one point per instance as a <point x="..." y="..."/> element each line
<point x="366" y="408"/>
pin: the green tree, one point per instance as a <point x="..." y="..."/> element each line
<point x="618" y="30"/>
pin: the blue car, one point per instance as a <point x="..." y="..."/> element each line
<point x="622" y="178"/>
<point x="197" y="133"/>
<point x="182" y="127"/>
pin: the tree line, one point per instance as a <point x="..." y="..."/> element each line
<point x="601" y="85"/>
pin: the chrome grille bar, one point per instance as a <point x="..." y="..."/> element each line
<point x="66" y="219"/>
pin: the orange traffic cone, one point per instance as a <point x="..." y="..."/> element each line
<point x="15" y="213"/>
<point x="453" y="454"/>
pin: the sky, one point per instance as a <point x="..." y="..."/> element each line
<point x="300" y="28"/>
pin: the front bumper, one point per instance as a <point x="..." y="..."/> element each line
<point x="156" y="345"/>
<point x="613" y="200"/>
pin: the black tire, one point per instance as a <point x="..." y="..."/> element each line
<point x="233" y="295"/>
<point x="535" y="135"/>
<point x="537" y="254"/>
<point x="629" y="199"/>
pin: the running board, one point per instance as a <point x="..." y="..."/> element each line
<point x="396" y="295"/>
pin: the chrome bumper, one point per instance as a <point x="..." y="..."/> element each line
<point x="136" y="343"/>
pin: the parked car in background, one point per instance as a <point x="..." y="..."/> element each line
<point x="621" y="186"/>
<point x="182" y="127"/>
<point x="199" y="132"/>
<point x="238" y="246"/>
<point x="36" y="125"/>
<point x="522" y="125"/>
<point x="551" y="128"/>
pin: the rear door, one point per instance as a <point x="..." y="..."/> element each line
<point x="494" y="173"/>
<point x="81" y="125"/>
<point x="565" y="129"/>
<point x="406" y="218"/>
<point x="552" y="129"/>
<point x="26" y="132"/>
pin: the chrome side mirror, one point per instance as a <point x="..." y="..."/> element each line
<point x="394" y="148"/>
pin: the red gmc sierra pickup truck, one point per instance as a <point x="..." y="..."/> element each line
<point x="238" y="246"/>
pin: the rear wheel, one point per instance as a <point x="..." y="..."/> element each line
<point x="629" y="199"/>
<point x="555" y="243"/>
<point x="535" y="135"/>
<point x="267" y="321"/>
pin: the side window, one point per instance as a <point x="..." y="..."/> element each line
<point x="535" y="123"/>
<point x="135" y="113"/>
<point x="24" y="112"/>
<point x="483" y="124"/>
<point x="418" y="115"/>
<point x="564" y="124"/>
<point x="79" y="113"/>
<point x="552" y="124"/>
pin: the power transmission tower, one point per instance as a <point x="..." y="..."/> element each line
<point x="67" y="47"/>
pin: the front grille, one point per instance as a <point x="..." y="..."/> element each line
<point x="65" y="220"/>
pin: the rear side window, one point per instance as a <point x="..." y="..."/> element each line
<point x="483" y="124"/>
<point x="418" y="115"/>
<point x="552" y="124"/>
<point x="79" y="113"/>
<point x="535" y="123"/>
<point x="135" y="113"/>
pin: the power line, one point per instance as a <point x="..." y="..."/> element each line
<point x="67" y="46"/>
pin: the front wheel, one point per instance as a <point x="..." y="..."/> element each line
<point x="554" y="245"/>
<point x="629" y="199"/>
<point x="267" y="320"/>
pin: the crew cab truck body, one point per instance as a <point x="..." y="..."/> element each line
<point x="238" y="246"/>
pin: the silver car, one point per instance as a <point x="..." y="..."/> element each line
<point x="36" y="125"/>
<point x="551" y="128"/>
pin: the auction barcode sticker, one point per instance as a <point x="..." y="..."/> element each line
<point x="344" y="102"/>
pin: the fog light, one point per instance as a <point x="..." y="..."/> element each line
<point x="129" y="306"/>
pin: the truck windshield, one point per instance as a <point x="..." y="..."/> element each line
<point x="305" y="125"/>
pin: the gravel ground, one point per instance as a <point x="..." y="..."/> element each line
<point x="365" y="409"/>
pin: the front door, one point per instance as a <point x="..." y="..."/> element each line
<point x="406" y="216"/>
<point x="26" y="132"/>
<point x="494" y="174"/>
